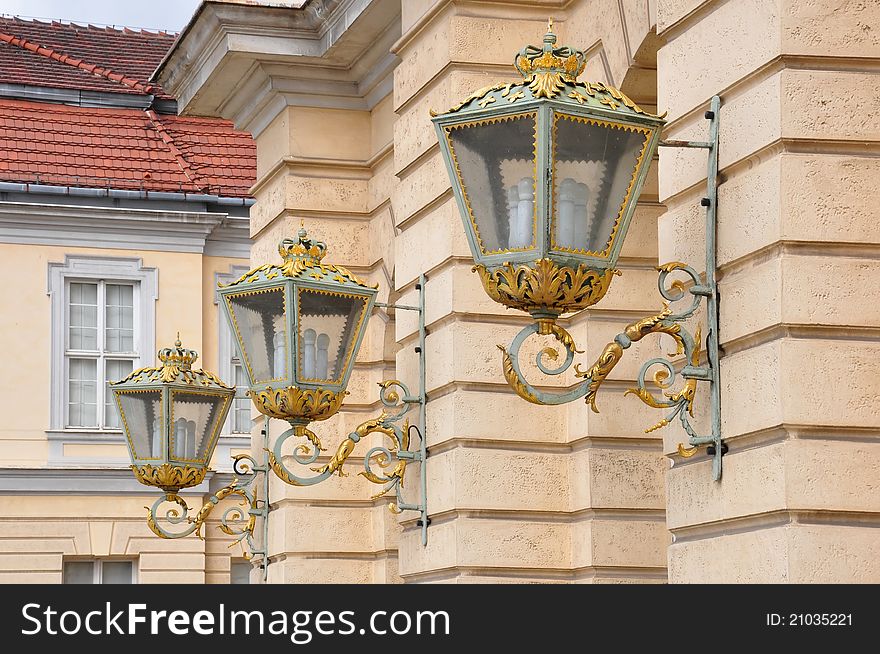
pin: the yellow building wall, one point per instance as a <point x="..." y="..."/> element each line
<point x="41" y="531"/>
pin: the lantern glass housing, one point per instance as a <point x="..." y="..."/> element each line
<point x="172" y="416"/>
<point x="298" y="326"/>
<point x="546" y="173"/>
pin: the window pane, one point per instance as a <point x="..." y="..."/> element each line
<point x="82" y="401"/>
<point x="119" y="318"/>
<point x="83" y="316"/>
<point x="115" y="370"/>
<point x="241" y="417"/>
<point x="240" y="572"/>
<point x="116" y="572"/>
<point x="79" y="572"/>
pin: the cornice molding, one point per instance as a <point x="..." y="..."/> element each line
<point x="214" y="234"/>
<point x="247" y="62"/>
<point x="91" y="481"/>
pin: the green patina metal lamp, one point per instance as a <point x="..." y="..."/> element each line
<point x="547" y="172"/>
<point x="172" y="416"/>
<point x="298" y="326"/>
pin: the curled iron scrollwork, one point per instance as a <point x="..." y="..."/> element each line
<point x="397" y="401"/>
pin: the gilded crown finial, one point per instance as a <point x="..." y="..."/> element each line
<point x="549" y="68"/>
<point x="302" y="248"/>
<point x="178" y="356"/>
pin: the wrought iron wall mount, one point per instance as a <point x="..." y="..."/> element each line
<point x="678" y="403"/>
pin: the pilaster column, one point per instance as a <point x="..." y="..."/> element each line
<point x="799" y="232"/>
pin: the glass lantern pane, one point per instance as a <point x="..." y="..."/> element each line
<point x="594" y="169"/>
<point x="261" y="329"/>
<point x="329" y="324"/>
<point x="496" y="159"/>
<point x="143" y="421"/>
<point x="115" y="370"/>
<point x="195" y="420"/>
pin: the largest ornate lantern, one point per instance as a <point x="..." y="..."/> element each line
<point x="546" y="173"/>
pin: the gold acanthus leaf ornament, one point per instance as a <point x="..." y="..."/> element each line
<point x="513" y="380"/>
<point x="294" y="403"/>
<point x="346" y="447"/>
<point x="613" y="352"/>
<point x="546" y="286"/>
<point x="168" y="477"/>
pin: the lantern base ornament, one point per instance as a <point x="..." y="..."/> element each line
<point x="502" y="285"/>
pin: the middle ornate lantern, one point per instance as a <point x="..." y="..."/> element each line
<point x="298" y="326"/>
<point x="546" y="173"/>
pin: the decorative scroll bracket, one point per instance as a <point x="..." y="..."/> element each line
<point x="239" y="520"/>
<point x="397" y="400"/>
<point x="679" y="404"/>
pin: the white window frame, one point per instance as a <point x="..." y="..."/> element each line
<point x="80" y="268"/>
<point x="100" y="354"/>
<point x="98" y="568"/>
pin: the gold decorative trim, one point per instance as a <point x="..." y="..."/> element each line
<point x="258" y="291"/>
<point x="294" y="403"/>
<point x="464" y="192"/>
<point x="513" y="379"/>
<point x="613" y="352"/>
<point x="227" y="399"/>
<point x="350" y="346"/>
<point x="299" y="260"/>
<point x="170" y="478"/>
<point x="626" y="198"/>
<point x="347" y="446"/>
<point x="546" y="286"/>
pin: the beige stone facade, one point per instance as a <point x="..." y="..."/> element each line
<point x="338" y="100"/>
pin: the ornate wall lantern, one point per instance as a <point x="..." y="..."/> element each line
<point x="547" y="173"/>
<point x="298" y="326"/>
<point x="172" y="416"/>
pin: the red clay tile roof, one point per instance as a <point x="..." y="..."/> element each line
<point x="44" y="143"/>
<point x="55" y="144"/>
<point x="111" y="60"/>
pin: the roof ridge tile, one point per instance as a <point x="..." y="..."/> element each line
<point x="49" y="53"/>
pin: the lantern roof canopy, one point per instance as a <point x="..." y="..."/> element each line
<point x="302" y="259"/>
<point x="176" y="369"/>
<point x="550" y="73"/>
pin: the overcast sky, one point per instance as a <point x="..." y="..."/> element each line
<point x="170" y="15"/>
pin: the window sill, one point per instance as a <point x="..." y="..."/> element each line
<point x="88" y="435"/>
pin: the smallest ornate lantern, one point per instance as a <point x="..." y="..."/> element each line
<point x="172" y="416"/>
